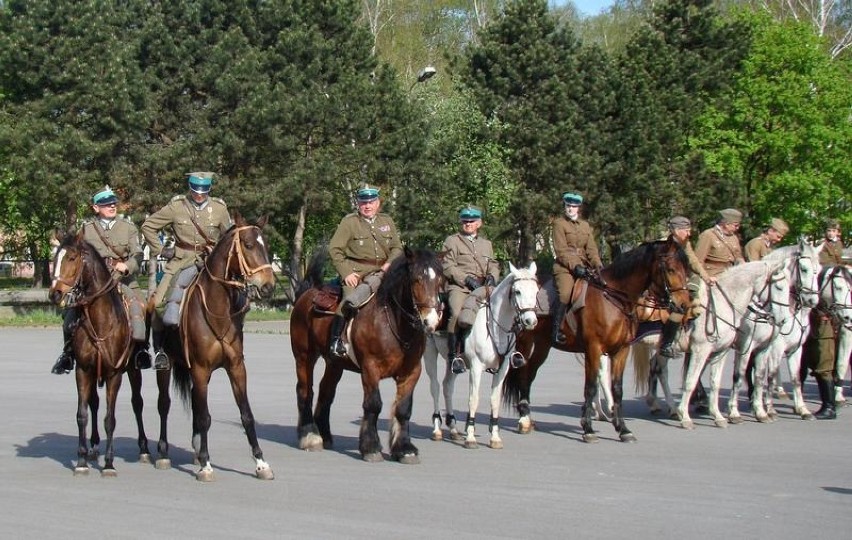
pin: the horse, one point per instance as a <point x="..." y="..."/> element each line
<point x="836" y="300"/>
<point x="770" y="342"/>
<point x="386" y="338"/>
<point x="605" y="324"/>
<point x="510" y="308"/>
<point x="210" y="336"/>
<point x="752" y="290"/>
<point x="101" y="342"/>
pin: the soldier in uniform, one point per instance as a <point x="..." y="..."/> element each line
<point x="760" y="246"/>
<point x="364" y="245"/>
<point x="719" y="247"/>
<point x="468" y="264"/>
<point x="117" y="241"/>
<point x="832" y="247"/>
<point x="576" y="254"/>
<point x="196" y="221"/>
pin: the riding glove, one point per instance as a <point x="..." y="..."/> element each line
<point x="471" y="283"/>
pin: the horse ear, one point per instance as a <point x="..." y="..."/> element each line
<point x="512" y="268"/>
<point x="407" y="251"/>
<point x="533" y="268"/>
<point x="238" y="219"/>
<point x="80" y="235"/>
<point x="441" y="254"/>
<point x="261" y="223"/>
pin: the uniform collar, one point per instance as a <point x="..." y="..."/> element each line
<point x="106" y="223"/>
<point x="470" y="237"/>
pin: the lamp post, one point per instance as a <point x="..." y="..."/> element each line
<point x="424" y="75"/>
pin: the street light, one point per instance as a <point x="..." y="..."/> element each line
<point x="424" y="75"/>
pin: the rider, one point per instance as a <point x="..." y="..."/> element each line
<point x="117" y="241"/>
<point x="832" y="245"/>
<point x="362" y="249"/>
<point x="680" y="229"/>
<point x="468" y="264"/>
<point x="719" y="246"/>
<point x="575" y="252"/>
<point x="760" y="246"/>
<point x="196" y="221"/>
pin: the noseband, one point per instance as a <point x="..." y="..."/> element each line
<point x="761" y="311"/>
<point x="799" y="289"/>
<point x="238" y="250"/>
<point x="666" y="302"/>
<point x="835" y="307"/>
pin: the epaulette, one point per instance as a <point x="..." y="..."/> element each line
<point x="218" y="200"/>
<point x="178" y="197"/>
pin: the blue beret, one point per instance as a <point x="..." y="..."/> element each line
<point x="572" y="198"/>
<point x="470" y="213"/>
<point x="367" y="194"/>
<point x="105" y="196"/>
<point x="200" y="182"/>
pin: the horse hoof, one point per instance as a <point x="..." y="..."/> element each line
<point x="735" y="419"/>
<point x="204" y="475"/>
<point x="456" y="436"/>
<point x="471" y="445"/>
<point x="163" y="464"/>
<point x="373" y="457"/>
<point x="145" y="458"/>
<point x="437" y="436"/>
<point x="311" y="442"/>
<point x="409" y="459"/>
<point x="763" y="419"/>
<point x="81" y="471"/>
<point x="524" y="429"/>
<point x="807" y="416"/>
<point x="721" y="423"/>
<point x="495" y="445"/>
<point x="628" y="437"/>
<point x="265" y="474"/>
<point x="109" y="473"/>
<point x="673" y="415"/>
<point x="687" y="424"/>
<point x="590" y="438"/>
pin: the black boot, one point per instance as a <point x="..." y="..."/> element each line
<point x="336" y="345"/>
<point x="826" y="393"/>
<point x="161" y="359"/>
<point x="558" y="315"/>
<point x="667" y="348"/>
<point x="65" y="363"/>
<point x="456" y="353"/>
<point x="141" y="356"/>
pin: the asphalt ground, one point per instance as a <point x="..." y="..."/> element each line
<point x="789" y="479"/>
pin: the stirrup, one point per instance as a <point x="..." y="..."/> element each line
<point x="338" y="348"/>
<point x="161" y="361"/>
<point x="517" y="360"/>
<point x="668" y="351"/>
<point x="142" y="359"/>
<point x="457" y="366"/>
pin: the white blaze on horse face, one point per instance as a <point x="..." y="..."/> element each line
<point x="432" y="318"/>
<point x="260" y="240"/>
<point x="57" y="272"/>
<point x="525" y="291"/>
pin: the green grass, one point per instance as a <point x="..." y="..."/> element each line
<point x="32" y="317"/>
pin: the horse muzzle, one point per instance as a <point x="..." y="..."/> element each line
<point x="528" y="320"/>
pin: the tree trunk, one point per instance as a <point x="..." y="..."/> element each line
<point x="296" y="275"/>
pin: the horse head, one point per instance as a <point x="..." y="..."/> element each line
<point x="524" y="293"/>
<point x="78" y="271"/>
<point x="836" y="292"/>
<point x="248" y="257"/>
<point x="805" y="274"/>
<point x="427" y="281"/>
<point x="669" y="276"/>
<point x="772" y="295"/>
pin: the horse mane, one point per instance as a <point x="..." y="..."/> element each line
<point x="641" y="257"/>
<point x="72" y="241"/>
<point x="399" y="271"/>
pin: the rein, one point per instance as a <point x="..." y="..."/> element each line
<point x="412" y="317"/>
<point x="492" y="324"/>
<point x="835" y="307"/>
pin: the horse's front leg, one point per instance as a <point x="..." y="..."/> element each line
<point x="201" y="424"/>
<point x="112" y="387"/>
<point x="309" y="437"/>
<point x="695" y="360"/>
<point x="430" y="360"/>
<point x="368" y="441"/>
<point x="325" y="397"/>
<point x="94" y="407"/>
<point x="85" y="388"/>
<point x="164" y="404"/>
<point x="239" y="385"/>
<point x="717" y="361"/>
<point x="794" y="363"/>
<point x="740" y="364"/>
<point x="662" y="367"/>
<point x="604" y="402"/>
<point x="474" y="380"/>
<point x="760" y="378"/>
<point x="619" y="360"/>
<point x="590" y="390"/>
<point x="134" y="375"/>
<point x="497" y="379"/>
<point x="841" y="367"/>
<point x="401" y="448"/>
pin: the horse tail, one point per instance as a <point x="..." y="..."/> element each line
<point x="183" y="381"/>
<point x="314" y="275"/>
<point x="511" y="390"/>
<point x="642" y="354"/>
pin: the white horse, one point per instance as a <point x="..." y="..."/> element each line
<point x="745" y="291"/>
<point x="771" y="342"/>
<point x="491" y="340"/>
<point x="836" y="297"/>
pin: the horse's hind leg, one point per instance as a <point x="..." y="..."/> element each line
<point x="95" y="439"/>
<point x="309" y="437"/>
<point x="430" y="360"/>
<point x="590" y="390"/>
<point x="619" y="359"/>
<point x="135" y="378"/>
<point x="164" y="403"/>
<point x="325" y="397"/>
<point x="401" y="448"/>
<point x="238" y="378"/>
<point x="113" y="385"/>
<point x="85" y="388"/>
<point x="368" y="440"/>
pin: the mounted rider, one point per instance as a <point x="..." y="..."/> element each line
<point x="832" y="246"/>
<point x="362" y="249"/>
<point x="116" y="239"/>
<point x="576" y="256"/>
<point x="718" y="247"/>
<point x="760" y="246"/>
<point x="196" y="221"/>
<point x="468" y="264"/>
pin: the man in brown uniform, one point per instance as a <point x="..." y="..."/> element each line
<point x="197" y="221"/>
<point x="832" y="246"/>
<point x="575" y="253"/>
<point x="117" y="241"/>
<point x="364" y="243"/>
<point x="468" y="264"/>
<point x="719" y="247"/>
<point x="760" y="246"/>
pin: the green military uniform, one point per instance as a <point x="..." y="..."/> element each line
<point x="466" y="256"/>
<point x="717" y="251"/>
<point x="573" y="245"/>
<point x="362" y="246"/>
<point x="832" y="253"/>
<point x="213" y="219"/>
<point x="756" y="249"/>
<point x="116" y="241"/>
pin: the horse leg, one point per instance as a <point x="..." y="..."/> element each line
<point x="619" y="360"/>
<point x="368" y="440"/>
<point x="663" y="377"/>
<point x="717" y="361"/>
<point x="449" y="387"/>
<point x="590" y="390"/>
<point x="85" y="388"/>
<point x="495" y="442"/>
<point x="164" y="404"/>
<point x="134" y="376"/>
<point x="239" y="384"/>
<point x="201" y="424"/>
<point x="760" y="379"/>
<point x="112" y="387"/>
<point x="474" y="381"/>
<point x="401" y="448"/>
<point x="841" y="365"/>
<point x="740" y="364"/>
<point x="322" y="414"/>
<point x="794" y="363"/>
<point x="604" y="403"/>
<point x="693" y="366"/>
<point x="525" y="375"/>
<point x="94" y="406"/>
<point x="430" y="360"/>
<point x="309" y="437"/>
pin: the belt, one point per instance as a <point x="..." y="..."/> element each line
<point x="718" y="264"/>
<point x="372" y="262"/>
<point x="189" y="247"/>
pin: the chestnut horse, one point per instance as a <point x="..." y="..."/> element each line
<point x="605" y="324"/>
<point x="210" y="336"/>
<point x="101" y="342"/>
<point x="386" y="338"/>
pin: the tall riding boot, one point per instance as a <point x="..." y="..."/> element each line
<point x="65" y="363"/>
<point x="667" y="348"/>
<point x="558" y="315"/>
<point x="161" y="359"/>
<point x="337" y="347"/>
<point x="451" y="346"/>
<point x="457" y="354"/>
<point x="826" y="394"/>
<point x="141" y="355"/>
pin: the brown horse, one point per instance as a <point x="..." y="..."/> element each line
<point x="386" y="339"/>
<point x="606" y="324"/>
<point x="210" y="336"/>
<point x="101" y="341"/>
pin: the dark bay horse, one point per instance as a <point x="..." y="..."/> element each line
<point x="606" y="324"/>
<point x="210" y="336"/>
<point x="101" y="342"/>
<point x="386" y="339"/>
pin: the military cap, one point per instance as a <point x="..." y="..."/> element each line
<point x="832" y="223"/>
<point x="779" y="225"/>
<point x="104" y="197"/>
<point x="200" y="182"/>
<point x="731" y="215"/>
<point x="367" y="193"/>
<point x="679" y="222"/>
<point x="470" y="213"/>
<point x="572" y="198"/>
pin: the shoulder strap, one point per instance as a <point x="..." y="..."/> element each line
<point x="197" y="226"/>
<point x="107" y="243"/>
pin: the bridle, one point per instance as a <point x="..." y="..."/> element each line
<point x="664" y="300"/>
<point x="835" y="307"/>
<point x="237" y="250"/>
<point x="798" y="288"/>
<point x="413" y="317"/>
<point x="760" y="310"/>
<point x="75" y="293"/>
<point x="515" y="329"/>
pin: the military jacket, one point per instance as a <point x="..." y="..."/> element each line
<point x="573" y="244"/>
<point x="468" y="257"/>
<point x="362" y="246"/>
<point x="832" y="253"/>
<point x="694" y="264"/>
<point x="756" y="249"/>
<point x="118" y="243"/>
<point x="718" y="252"/>
<point x="177" y="215"/>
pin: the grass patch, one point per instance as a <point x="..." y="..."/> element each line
<point x="32" y="317"/>
<point x="258" y="313"/>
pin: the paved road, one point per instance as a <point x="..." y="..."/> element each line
<point x="791" y="479"/>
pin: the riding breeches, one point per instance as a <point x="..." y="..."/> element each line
<point x="818" y="351"/>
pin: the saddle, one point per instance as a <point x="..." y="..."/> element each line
<point x="326" y="300"/>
